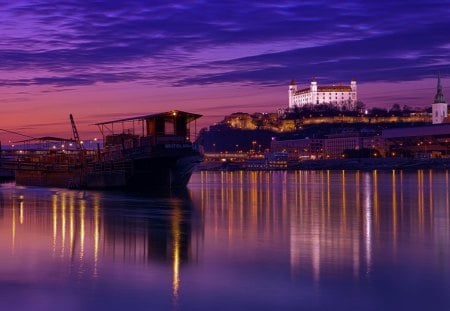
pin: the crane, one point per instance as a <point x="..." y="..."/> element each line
<point x="75" y="134"/>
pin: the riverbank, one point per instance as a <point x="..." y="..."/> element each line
<point x="376" y="164"/>
<point x="365" y="164"/>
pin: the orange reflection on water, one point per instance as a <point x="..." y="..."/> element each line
<point x="376" y="208"/>
<point x="421" y="200"/>
<point x="176" y="238"/>
<point x="312" y="223"/>
<point x="344" y="202"/>
<point x="21" y="211"/>
<point x="54" y="220"/>
<point x="355" y="236"/>
<point x="430" y="194"/>
<point x="13" y="228"/>
<point x="394" y="209"/>
<point x="63" y="224"/>
<point x="96" y="205"/>
<point x="82" y="228"/>
<point x="367" y="221"/>
<point x="71" y="228"/>
<point x="447" y="206"/>
<point x="329" y="220"/>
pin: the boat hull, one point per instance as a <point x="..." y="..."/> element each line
<point x="142" y="174"/>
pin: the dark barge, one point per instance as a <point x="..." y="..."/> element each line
<point x="148" y="153"/>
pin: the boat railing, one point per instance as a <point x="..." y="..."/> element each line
<point x="170" y="140"/>
<point x="40" y="166"/>
<point x="43" y="162"/>
<point x="110" y="166"/>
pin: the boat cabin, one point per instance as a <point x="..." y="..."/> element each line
<point x="171" y="127"/>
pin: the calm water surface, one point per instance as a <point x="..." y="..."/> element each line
<point x="237" y="241"/>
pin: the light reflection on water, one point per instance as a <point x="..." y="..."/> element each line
<point x="238" y="240"/>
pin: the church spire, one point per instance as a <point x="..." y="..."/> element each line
<point x="439" y="98"/>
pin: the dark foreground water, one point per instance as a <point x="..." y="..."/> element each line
<point x="237" y="241"/>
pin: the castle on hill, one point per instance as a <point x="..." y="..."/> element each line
<point x="339" y="95"/>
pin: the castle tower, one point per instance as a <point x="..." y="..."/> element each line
<point x="292" y="90"/>
<point x="313" y="85"/>
<point x="354" y="96"/>
<point x="313" y="89"/>
<point x="439" y="106"/>
<point x="353" y="85"/>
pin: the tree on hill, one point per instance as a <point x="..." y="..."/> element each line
<point x="360" y="107"/>
<point x="396" y="110"/>
<point x="378" y="112"/>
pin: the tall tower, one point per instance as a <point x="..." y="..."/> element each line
<point x="353" y="85"/>
<point x="439" y="106"/>
<point x="354" y="95"/>
<point x="313" y="89"/>
<point x="292" y="90"/>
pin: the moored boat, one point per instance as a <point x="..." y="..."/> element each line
<point x="147" y="153"/>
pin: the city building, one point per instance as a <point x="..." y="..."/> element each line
<point x="439" y="106"/>
<point x="328" y="147"/>
<point x="419" y="141"/>
<point x="340" y="95"/>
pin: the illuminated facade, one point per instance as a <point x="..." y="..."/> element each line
<point x="430" y="141"/>
<point x="340" y="95"/>
<point x="329" y="147"/>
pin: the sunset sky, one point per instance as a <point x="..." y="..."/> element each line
<point x="114" y="59"/>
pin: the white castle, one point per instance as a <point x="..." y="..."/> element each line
<point x="340" y="95"/>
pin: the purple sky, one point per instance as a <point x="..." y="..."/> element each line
<point x="112" y="59"/>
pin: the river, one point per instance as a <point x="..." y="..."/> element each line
<point x="298" y="240"/>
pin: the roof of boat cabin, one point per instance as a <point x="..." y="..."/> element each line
<point x="168" y="114"/>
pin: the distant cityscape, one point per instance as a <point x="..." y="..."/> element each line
<point x="320" y="127"/>
<point x="328" y="123"/>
